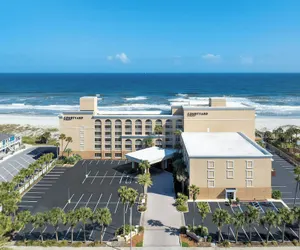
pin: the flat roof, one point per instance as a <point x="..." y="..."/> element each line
<point x="221" y="145"/>
<point x="153" y="155"/>
<point x="205" y="104"/>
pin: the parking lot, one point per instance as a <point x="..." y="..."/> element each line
<point x="285" y="180"/>
<point x="90" y="183"/>
<point x="11" y="166"/>
<point x="258" y="232"/>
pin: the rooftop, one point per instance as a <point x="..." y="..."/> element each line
<point x="153" y="155"/>
<point x="4" y="136"/>
<point x="222" y="144"/>
<point x="204" y="103"/>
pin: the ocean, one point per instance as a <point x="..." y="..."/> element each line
<point x="50" y="94"/>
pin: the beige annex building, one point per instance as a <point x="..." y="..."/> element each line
<point x="240" y="169"/>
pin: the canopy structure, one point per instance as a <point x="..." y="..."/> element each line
<point x="152" y="155"/>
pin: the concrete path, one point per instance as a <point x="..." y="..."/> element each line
<point x="161" y="220"/>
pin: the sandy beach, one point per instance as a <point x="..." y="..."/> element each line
<point x="262" y="123"/>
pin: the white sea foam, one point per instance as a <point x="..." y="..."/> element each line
<point x="182" y="95"/>
<point x="137" y="98"/>
<point x="22" y="106"/>
<point x="136" y="107"/>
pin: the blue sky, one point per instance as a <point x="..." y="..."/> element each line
<point x="150" y="36"/>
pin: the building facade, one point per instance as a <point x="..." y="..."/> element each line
<point x="9" y="143"/>
<point x="100" y="134"/>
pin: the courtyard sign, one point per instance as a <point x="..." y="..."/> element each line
<point x="69" y="118"/>
<point x="193" y="114"/>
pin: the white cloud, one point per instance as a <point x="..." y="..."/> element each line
<point x="211" y="57"/>
<point x="123" y="58"/>
<point x="247" y="60"/>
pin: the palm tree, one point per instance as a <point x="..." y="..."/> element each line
<point x="62" y="137"/>
<point x="251" y="217"/>
<point x="287" y="217"/>
<point x="68" y="140"/>
<point x="158" y="129"/>
<point x="144" y="166"/>
<point x="238" y="221"/>
<point x="270" y="219"/>
<point x="145" y="181"/>
<point x="69" y="151"/>
<point x="297" y="178"/>
<point x="56" y="216"/>
<point x="123" y="195"/>
<point x="102" y="216"/>
<point x="203" y="209"/>
<point x="24" y="218"/>
<point x="220" y="217"/>
<point x="39" y="221"/>
<point x="296" y="212"/>
<point x="84" y="214"/>
<point x="181" y="176"/>
<point x="57" y="144"/>
<point x="132" y="196"/>
<point x="72" y="220"/>
<point x="194" y="192"/>
<point x="148" y="142"/>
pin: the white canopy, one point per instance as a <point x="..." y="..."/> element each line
<point x="153" y="155"/>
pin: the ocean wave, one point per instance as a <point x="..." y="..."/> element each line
<point x="182" y="95"/>
<point x="22" y="106"/>
<point x="137" y="98"/>
<point x="141" y="106"/>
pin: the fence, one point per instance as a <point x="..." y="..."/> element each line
<point x="282" y="154"/>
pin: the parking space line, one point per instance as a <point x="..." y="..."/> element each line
<point x="103" y="177"/>
<point x="119" y="162"/>
<point x="232" y="232"/>
<point x="112" y="162"/>
<point x="90" y="162"/>
<point x="126" y="208"/>
<point x="209" y="207"/>
<point x="50" y="178"/>
<point x="52" y="175"/>
<point x="24" y="206"/>
<point x="3" y="177"/>
<point x="25" y="160"/>
<point x="20" y="164"/>
<point x="121" y="178"/>
<point x="294" y="232"/>
<point x="8" y="171"/>
<point x="276" y="209"/>
<point x="104" y="162"/>
<point x="113" y="178"/>
<point x="40" y="188"/>
<point x="83" y="162"/>
<point x="88" y="200"/>
<point x="22" y="201"/>
<point x="68" y="202"/>
<point x="259" y="234"/>
<point x="43" y="185"/>
<point x="278" y="186"/>
<point x="32" y="197"/>
<point x="117" y="205"/>
<point x="97" y="202"/>
<point x="32" y="192"/>
<point x="108" y="199"/>
<point x="86" y="177"/>
<point x="219" y="205"/>
<point x="78" y="202"/>
<point x="94" y="177"/>
<point x="97" y="162"/>
<point x="14" y="167"/>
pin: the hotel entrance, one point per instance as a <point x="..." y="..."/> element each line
<point x="230" y="193"/>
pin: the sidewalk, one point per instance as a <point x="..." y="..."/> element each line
<point x="161" y="220"/>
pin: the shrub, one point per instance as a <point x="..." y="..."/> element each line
<point x="182" y="208"/>
<point x="274" y="243"/>
<point x="198" y="230"/>
<point x="264" y="243"/>
<point x="77" y="244"/>
<point x="185" y="244"/>
<point x="204" y="231"/>
<point x="182" y="230"/>
<point x="182" y="199"/>
<point x="226" y="243"/>
<point x="237" y="200"/>
<point x="276" y="194"/>
<point x="142" y="208"/>
<point x="63" y="243"/>
<point x="209" y="238"/>
<point x="139" y="244"/>
<point x="295" y="242"/>
<point x="140" y="229"/>
<point x="120" y="230"/>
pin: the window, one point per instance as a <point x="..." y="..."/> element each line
<point x="118" y="155"/>
<point x="118" y="147"/>
<point x="211" y="164"/>
<point x="249" y="183"/>
<point x="211" y="183"/>
<point x="229" y="164"/>
<point x="229" y="174"/>
<point x="97" y="146"/>
<point x="249" y="164"/>
<point x="98" y="155"/>
<point x="118" y="133"/>
<point x="108" y="147"/>
<point x="249" y="174"/>
<point x="108" y="155"/>
<point x="97" y="133"/>
<point x="210" y="174"/>
<point x="97" y="139"/>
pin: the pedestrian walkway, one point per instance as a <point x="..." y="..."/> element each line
<point x="161" y="220"/>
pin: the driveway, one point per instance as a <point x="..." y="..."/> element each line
<point x="161" y="220"/>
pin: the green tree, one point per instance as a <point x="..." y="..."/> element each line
<point x="84" y="214"/>
<point x="148" y="142"/>
<point x="158" y="129"/>
<point x="194" y="192"/>
<point x="102" y="217"/>
<point x="238" y="221"/>
<point x="181" y="176"/>
<point x="287" y="217"/>
<point x="145" y="181"/>
<point x="251" y="218"/>
<point x="203" y="209"/>
<point x="296" y="212"/>
<point x="297" y="178"/>
<point x="220" y="217"/>
<point x="68" y="140"/>
<point x="56" y="216"/>
<point x="24" y="217"/>
<point x="62" y="137"/>
<point x="268" y="136"/>
<point x="132" y="196"/>
<point x="57" y="144"/>
<point x="72" y="220"/>
<point x="5" y="224"/>
<point x="269" y="220"/>
<point x="44" y="138"/>
<point x="69" y="151"/>
<point x="144" y="166"/>
<point x="39" y="221"/>
<point x="123" y="196"/>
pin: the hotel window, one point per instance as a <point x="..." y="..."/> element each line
<point x="118" y="147"/>
<point x="97" y="146"/>
<point x="210" y="164"/>
<point x="211" y="183"/>
<point x="138" y="144"/>
<point x="107" y="134"/>
<point x="148" y="128"/>
<point x="128" y="127"/>
<point x="108" y="155"/>
<point x="179" y="124"/>
<point x="158" y="143"/>
<point x="97" y="133"/>
<point x="249" y="174"/>
<point x="249" y="183"/>
<point x="97" y="139"/>
<point x="128" y="144"/>
<point x="108" y="140"/>
<point x="229" y="174"/>
<point x="169" y="124"/>
<point x="249" y="164"/>
<point x="98" y="155"/>
<point x="210" y="174"/>
<point x="118" y="133"/>
<point x="229" y="165"/>
<point x="108" y="147"/>
<point x="138" y="127"/>
<point x="118" y="125"/>
<point x="118" y="155"/>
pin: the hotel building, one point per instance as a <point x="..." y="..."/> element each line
<point x="238" y="163"/>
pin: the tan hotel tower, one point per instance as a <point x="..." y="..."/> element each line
<point x="217" y="141"/>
